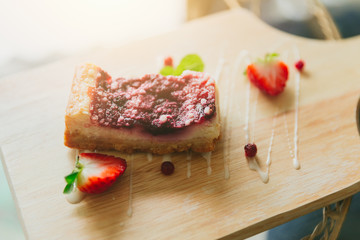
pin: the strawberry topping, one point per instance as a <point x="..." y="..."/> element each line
<point x="269" y="75"/>
<point x="158" y="104"/>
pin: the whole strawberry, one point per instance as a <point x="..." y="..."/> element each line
<point x="269" y="74"/>
<point x="94" y="172"/>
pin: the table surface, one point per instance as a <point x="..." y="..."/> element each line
<point x="202" y="206"/>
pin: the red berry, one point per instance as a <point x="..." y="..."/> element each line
<point x="269" y="75"/>
<point x="300" y="65"/>
<point x="250" y="150"/>
<point x="167" y="168"/>
<point x="168" y="61"/>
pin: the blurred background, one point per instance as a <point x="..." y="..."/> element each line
<point x="37" y="32"/>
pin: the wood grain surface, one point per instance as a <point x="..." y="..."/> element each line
<point x="202" y="206"/>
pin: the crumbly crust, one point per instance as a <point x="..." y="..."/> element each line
<point x="81" y="133"/>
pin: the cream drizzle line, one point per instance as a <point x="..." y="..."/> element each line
<point x="228" y="123"/>
<point x="76" y="196"/>
<point x="297" y="94"/>
<point x="287" y="136"/>
<point x="294" y="154"/>
<point x="166" y="158"/>
<point x="219" y="70"/>
<point x="268" y="160"/>
<point x="246" y="127"/>
<point x="247" y="114"/>
<point x="254" y="116"/>
<point x="253" y="165"/>
<point x="149" y="157"/>
<point x="130" y="210"/>
<point x="207" y="156"/>
<point x="188" y="158"/>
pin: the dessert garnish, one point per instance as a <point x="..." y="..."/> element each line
<point x="167" y="168"/>
<point x="168" y="61"/>
<point x="250" y="150"/>
<point x="299" y="65"/>
<point x="190" y="62"/>
<point x="94" y="173"/>
<point x="268" y="74"/>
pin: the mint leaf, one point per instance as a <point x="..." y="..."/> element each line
<point x="68" y="188"/>
<point x="167" y="70"/>
<point x="270" y="56"/>
<point x="72" y="177"/>
<point x="190" y="62"/>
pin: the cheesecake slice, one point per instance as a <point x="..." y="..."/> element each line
<point x="154" y="113"/>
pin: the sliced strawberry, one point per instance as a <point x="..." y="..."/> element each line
<point x="95" y="172"/>
<point x="269" y="74"/>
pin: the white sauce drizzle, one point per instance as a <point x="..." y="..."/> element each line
<point x="166" y="158"/>
<point x="130" y="210"/>
<point x="254" y="116"/>
<point x="228" y="104"/>
<point x="149" y="157"/>
<point x="226" y="151"/>
<point x="297" y="94"/>
<point x="188" y="158"/>
<point x="219" y="69"/>
<point x="287" y="136"/>
<point x="246" y="127"/>
<point x="247" y="115"/>
<point x="76" y="196"/>
<point x="268" y="160"/>
<point x="226" y="171"/>
<point x="226" y="158"/>
<point x="218" y="72"/>
<point x="207" y="156"/>
<point x="227" y="123"/>
<point x="253" y="165"/>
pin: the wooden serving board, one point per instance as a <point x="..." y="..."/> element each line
<point x="202" y="206"/>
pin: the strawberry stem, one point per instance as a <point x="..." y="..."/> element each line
<point x="71" y="178"/>
<point x="268" y="57"/>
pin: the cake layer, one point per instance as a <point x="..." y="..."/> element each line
<point x="190" y="104"/>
